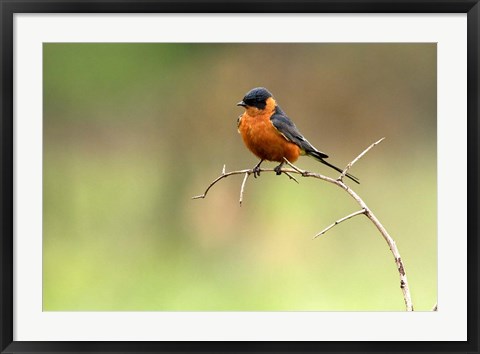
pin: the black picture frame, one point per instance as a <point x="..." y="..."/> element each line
<point x="10" y="7"/>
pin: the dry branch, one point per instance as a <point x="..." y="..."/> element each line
<point x="339" y="221"/>
<point x="339" y="183"/>
<point x="242" y="188"/>
<point x="247" y="173"/>
<point x="349" y="165"/>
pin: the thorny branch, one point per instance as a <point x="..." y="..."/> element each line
<point x="365" y="210"/>
<point x="247" y="173"/>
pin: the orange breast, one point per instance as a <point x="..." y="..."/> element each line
<point x="261" y="138"/>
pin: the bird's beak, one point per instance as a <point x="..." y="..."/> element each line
<point x="241" y="103"/>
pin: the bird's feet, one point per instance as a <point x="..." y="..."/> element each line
<point x="278" y="169"/>
<point x="256" y="170"/>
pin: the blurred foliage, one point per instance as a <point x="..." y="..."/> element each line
<point x="133" y="131"/>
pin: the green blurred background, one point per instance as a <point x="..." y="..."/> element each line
<point x="133" y="131"/>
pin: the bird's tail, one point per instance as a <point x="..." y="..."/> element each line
<point x="319" y="156"/>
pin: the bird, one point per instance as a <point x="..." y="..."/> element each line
<point x="271" y="135"/>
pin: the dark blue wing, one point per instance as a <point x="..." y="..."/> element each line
<point x="288" y="129"/>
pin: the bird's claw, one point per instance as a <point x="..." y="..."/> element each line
<point x="278" y="170"/>
<point x="256" y="171"/>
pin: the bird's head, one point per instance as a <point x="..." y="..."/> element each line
<point x="257" y="100"/>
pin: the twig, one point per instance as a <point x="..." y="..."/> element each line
<point x="299" y="171"/>
<point x="247" y="172"/>
<point x="243" y="187"/>
<point x="349" y="166"/>
<point x="339" y="221"/>
<point x="291" y="177"/>
<point x="364" y="210"/>
<point x="222" y="176"/>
